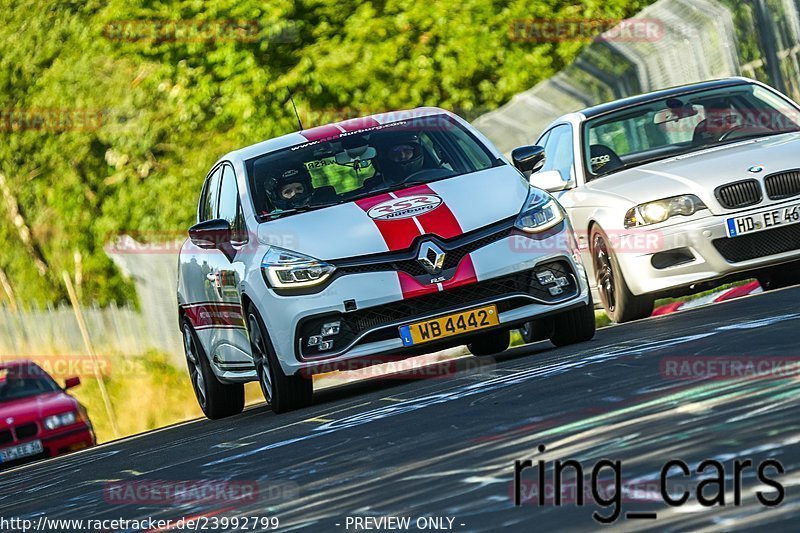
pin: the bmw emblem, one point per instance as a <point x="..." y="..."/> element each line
<point x="755" y="169"/>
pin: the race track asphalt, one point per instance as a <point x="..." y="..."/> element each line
<point x="446" y="445"/>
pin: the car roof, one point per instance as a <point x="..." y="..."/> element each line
<point x="333" y="129"/>
<point x="632" y="101"/>
<point x="16" y="363"/>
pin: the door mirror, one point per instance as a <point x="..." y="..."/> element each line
<point x="211" y="234"/>
<point x="71" y="383"/>
<point x="528" y="158"/>
<point x="551" y="181"/>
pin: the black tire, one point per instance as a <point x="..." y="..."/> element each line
<point x="217" y="400"/>
<point x="490" y="343"/>
<point x="779" y="277"/>
<point x="620" y="304"/>
<point x="535" y="331"/>
<point x="574" y="326"/>
<point x="284" y="393"/>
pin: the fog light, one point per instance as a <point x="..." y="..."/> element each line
<point x="330" y="329"/>
<point x="546" y="277"/>
<point x="554" y="284"/>
<point x="315" y="340"/>
<point x="325" y="345"/>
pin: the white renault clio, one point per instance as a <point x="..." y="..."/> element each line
<point x="390" y="235"/>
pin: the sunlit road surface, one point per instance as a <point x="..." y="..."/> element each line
<point x="446" y="446"/>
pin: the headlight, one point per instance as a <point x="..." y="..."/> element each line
<point x="540" y="212"/>
<point x="285" y="269"/>
<point x="661" y="210"/>
<point x="56" y="421"/>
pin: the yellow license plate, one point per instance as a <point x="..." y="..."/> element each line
<point x="446" y="326"/>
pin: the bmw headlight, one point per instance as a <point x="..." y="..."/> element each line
<point x="540" y="212"/>
<point x="56" y="421"/>
<point x="285" y="269"/>
<point x="661" y="210"/>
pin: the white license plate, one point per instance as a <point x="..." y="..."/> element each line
<point x="22" y="450"/>
<point x="781" y="216"/>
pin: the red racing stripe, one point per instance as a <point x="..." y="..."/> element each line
<point x="212" y="315"/>
<point x="441" y="221"/>
<point x="398" y="234"/>
<point x="355" y="124"/>
<point x="321" y="132"/>
<point x="465" y="274"/>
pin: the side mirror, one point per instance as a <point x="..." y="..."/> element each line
<point x="528" y="158"/>
<point x="551" y="181"/>
<point x="72" y="382"/>
<point x="211" y="234"/>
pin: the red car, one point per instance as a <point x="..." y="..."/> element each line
<point x="38" y="419"/>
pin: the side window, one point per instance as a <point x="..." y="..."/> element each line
<point x="559" y="151"/>
<point x="208" y="198"/>
<point x="230" y="207"/>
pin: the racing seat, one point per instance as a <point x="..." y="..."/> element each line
<point x="603" y="159"/>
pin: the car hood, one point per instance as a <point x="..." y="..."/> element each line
<point x="392" y="222"/>
<point x="35" y="408"/>
<point x="701" y="172"/>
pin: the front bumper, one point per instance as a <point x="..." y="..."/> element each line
<point x="55" y="443"/>
<point x="700" y="251"/>
<point x="379" y="300"/>
<point x="68" y="440"/>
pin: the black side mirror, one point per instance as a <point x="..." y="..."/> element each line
<point x="528" y="158"/>
<point x="211" y="234"/>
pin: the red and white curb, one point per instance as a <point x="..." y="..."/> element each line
<point x="721" y="296"/>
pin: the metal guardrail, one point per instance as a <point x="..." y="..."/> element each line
<point x="701" y="40"/>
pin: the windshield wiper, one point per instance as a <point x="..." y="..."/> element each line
<point x="301" y="209"/>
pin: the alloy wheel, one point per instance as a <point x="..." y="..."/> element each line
<point x="604" y="273"/>
<point x="259" y="346"/>
<point x="193" y="362"/>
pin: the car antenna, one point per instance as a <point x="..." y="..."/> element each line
<point x="299" y="123"/>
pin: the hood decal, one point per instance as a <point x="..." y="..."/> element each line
<point x="404" y="207"/>
<point x="408" y="222"/>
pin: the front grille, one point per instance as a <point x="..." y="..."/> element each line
<point x="740" y="194"/>
<point x="357" y="322"/>
<point x="760" y="244"/>
<point x="783" y="185"/>
<point x="5" y="436"/>
<point x="406" y="261"/>
<point x="26" y="431"/>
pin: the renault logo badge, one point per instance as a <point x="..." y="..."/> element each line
<point x="431" y="257"/>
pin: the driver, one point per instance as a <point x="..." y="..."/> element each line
<point x="14" y="383"/>
<point x="400" y="157"/>
<point x="289" y="188"/>
<point x="716" y="123"/>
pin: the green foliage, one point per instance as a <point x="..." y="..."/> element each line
<point x="172" y="107"/>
